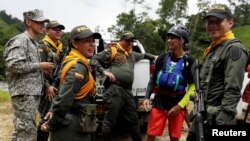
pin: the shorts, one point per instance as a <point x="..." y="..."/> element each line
<point x="157" y="122"/>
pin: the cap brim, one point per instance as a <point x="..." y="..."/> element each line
<point x="217" y="15"/>
<point x="60" y="26"/>
<point x="41" y="20"/>
<point x="127" y="38"/>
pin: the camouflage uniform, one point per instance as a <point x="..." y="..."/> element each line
<point x="25" y="81"/>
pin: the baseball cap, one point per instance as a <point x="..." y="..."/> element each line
<point x="82" y="31"/>
<point x="35" y="15"/>
<point x="127" y="35"/>
<point x="53" y="24"/>
<point x="220" y="11"/>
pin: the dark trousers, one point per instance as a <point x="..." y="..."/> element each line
<point x="120" y="104"/>
<point x="70" y="130"/>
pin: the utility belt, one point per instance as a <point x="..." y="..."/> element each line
<point x="87" y="116"/>
<point x="169" y="92"/>
<point x="123" y="85"/>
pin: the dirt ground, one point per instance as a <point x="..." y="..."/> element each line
<point x="6" y="125"/>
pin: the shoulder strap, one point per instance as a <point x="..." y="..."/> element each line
<point x="165" y="62"/>
<point x="46" y="44"/>
<point x="217" y="55"/>
<point x="113" y="53"/>
<point x="66" y="68"/>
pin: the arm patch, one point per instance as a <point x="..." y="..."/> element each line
<point x="235" y="53"/>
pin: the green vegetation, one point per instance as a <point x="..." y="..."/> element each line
<point x="152" y="32"/>
<point x="242" y="33"/>
<point x="4" y="96"/>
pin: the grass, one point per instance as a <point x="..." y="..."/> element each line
<point x="4" y="96"/>
<point x="6" y="125"/>
<point x="242" y="33"/>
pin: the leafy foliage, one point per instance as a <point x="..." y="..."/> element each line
<point x="152" y="33"/>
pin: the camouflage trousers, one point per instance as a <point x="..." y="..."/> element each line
<point x="24" y="110"/>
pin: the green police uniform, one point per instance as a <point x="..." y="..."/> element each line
<point x="224" y="87"/>
<point x="66" y="108"/>
<point x="120" y="103"/>
<point x="222" y="72"/>
<point x="50" y="51"/>
<point x="76" y="91"/>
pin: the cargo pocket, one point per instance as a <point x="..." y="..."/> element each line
<point x="88" y="118"/>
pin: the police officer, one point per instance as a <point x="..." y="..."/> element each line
<point x="24" y="75"/>
<point x="118" y="96"/>
<point x="50" y="49"/>
<point x="77" y="88"/>
<point x="169" y="102"/>
<point x="222" y="69"/>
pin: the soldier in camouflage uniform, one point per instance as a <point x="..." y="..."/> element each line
<point x="50" y="49"/>
<point x="24" y="75"/>
<point x="119" y="100"/>
<point x="77" y="88"/>
<point x="222" y="69"/>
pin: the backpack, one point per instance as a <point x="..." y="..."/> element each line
<point x="171" y="77"/>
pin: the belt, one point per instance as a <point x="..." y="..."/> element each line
<point x="169" y="92"/>
<point x="121" y="84"/>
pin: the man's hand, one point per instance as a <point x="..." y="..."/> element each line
<point x="50" y="93"/>
<point x="47" y="67"/>
<point x="110" y="76"/>
<point x="46" y="118"/>
<point x="174" y="110"/>
<point x="147" y="105"/>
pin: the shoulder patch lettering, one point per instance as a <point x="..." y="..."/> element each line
<point x="235" y="53"/>
<point x="79" y="76"/>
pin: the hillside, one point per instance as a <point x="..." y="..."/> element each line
<point x="242" y="33"/>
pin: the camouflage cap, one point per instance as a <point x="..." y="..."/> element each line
<point x="35" y="15"/>
<point x="127" y="35"/>
<point x="220" y="11"/>
<point x="53" y="24"/>
<point x="82" y="31"/>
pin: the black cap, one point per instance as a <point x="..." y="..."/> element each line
<point x="127" y="35"/>
<point x="53" y="24"/>
<point x="82" y="31"/>
<point x="220" y="11"/>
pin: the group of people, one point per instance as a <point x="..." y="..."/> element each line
<point x="30" y="67"/>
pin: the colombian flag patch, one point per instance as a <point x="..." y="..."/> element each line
<point x="79" y="76"/>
